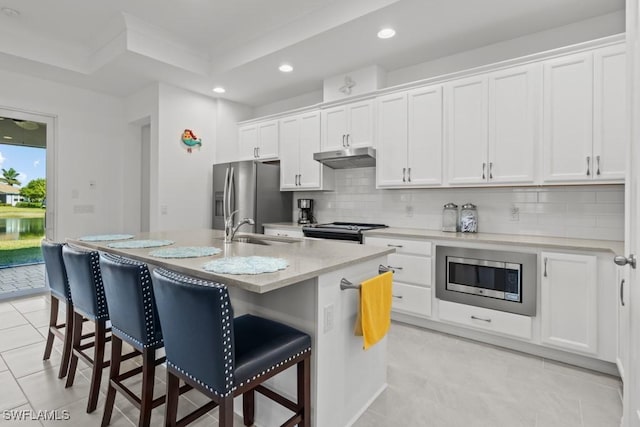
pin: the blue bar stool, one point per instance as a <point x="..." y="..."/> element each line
<point x="60" y="293"/>
<point x="85" y="281"/>
<point x="134" y="320"/>
<point x="222" y="356"/>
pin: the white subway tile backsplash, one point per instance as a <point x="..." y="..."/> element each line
<point x="593" y="212"/>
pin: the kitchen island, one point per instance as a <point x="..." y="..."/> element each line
<point x="305" y="295"/>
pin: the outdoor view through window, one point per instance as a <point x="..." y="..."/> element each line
<point x="22" y="194"/>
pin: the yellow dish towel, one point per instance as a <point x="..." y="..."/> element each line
<point x="374" y="313"/>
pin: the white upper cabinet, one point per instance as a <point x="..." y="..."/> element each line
<point x="493" y="127"/>
<point x="514" y="124"/>
<point x="409" y="146"/>
<point x="467" y="131"/>
<point x="348" y="126"/>
<point x="259" y="141"/>
<point x="299" y="139"/>
<point x="584" y="116"/>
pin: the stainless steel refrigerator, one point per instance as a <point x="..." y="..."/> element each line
<point x="253" y="189"/>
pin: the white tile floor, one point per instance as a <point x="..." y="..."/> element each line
<point x="434" y="380"/>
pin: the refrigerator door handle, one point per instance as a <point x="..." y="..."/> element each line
<point x="224" y="196"/>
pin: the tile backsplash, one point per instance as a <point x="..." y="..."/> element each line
<point x="586" y="212"/>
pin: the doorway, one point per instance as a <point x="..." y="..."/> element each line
<point x="26" y="204"/>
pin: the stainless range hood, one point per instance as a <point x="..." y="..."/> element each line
<point x="361" y="157"/>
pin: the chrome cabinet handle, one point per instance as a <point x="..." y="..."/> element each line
<point x="394" y="246"/>
<point x="394" y="268"/>
<point x="490" y="170"/>
<point x="400" y="296"/>
<point x="588" y="165"/>
<point x="480" y="318"/>
<point x="404" y="174"/>
<point x="409" y="174"/>
<point x="254" y="152"/>
<point x="484" y="165"/>
<point x="299" y="179"/>
<point x="545" y="266"/>
<point x="622" y="292"/>
<point x="258" y="149"/>
<point x="598" y="165"/>
<point x="348" y="135"/>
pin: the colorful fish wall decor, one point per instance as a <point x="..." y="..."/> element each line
<point x="190" y="139"/>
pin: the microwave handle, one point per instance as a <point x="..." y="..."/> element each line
<point x="545" y="266"/>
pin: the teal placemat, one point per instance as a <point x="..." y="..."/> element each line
<point x="106" y="237"/>
<point x="185" y="252"/>
<point x="135" y="244"/>
<point x="246" y="265"/>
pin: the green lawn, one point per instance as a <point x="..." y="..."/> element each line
<point x="26" y="250"/>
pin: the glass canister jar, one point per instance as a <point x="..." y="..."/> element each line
<point x="469" y="218"/>
<point x="450" y="217"/>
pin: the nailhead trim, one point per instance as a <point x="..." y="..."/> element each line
<point x="103" y="310"/>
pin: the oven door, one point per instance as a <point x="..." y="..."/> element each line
<point x="492" y="279"/>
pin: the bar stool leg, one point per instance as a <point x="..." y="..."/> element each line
<point x="114" y="371"/>
<point x="77" y="335"/>
<point x="53" y="320"/>
<point x="171" y="408"/>
<point x="304" y="390"/>
<point x="148" y="377"/>
<point x="98" y="364"/>
<point x="248" y="407"/>
<point x="225" y="416"/>
<point x="68" y="342"/>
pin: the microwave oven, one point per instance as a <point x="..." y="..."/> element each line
<point x="497" y="280"/>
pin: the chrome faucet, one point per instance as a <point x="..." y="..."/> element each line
<point x="230" y="230"/>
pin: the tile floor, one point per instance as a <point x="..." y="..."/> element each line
<point x="434" y="380"/>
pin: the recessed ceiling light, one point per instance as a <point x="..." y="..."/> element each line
<point x="285" y="68"/>
<point x="7" y="137"/>
<point x="219" y="89"/>
<point x="386" y="33"/>
<point x="10" y="12"/>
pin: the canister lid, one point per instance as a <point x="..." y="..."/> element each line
<point x="451" y="206"/>
<point x="468" y="206"/>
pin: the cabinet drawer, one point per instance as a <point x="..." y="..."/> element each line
<point x="485" y="319"/>
<point x="403" y="246"/>
<point x="283" y="232"/>
<point x="411" y="299"/>
<point x="410" y="269"/>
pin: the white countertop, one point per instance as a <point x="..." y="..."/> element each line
<point x="307" y="258"/>
<point x="613" y="246"/>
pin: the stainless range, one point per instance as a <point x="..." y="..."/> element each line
<point x="348" y="231"/>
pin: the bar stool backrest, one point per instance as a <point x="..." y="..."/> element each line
<point x="85" y="281"/>
<point x="197" y="324"/>
<point x="56" y="271"/>
<point x="132" y="309"/>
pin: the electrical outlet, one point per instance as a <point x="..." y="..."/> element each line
<point x="163" y="209"/>
<point x="328" y="317"/>
<point x="515" y="213"/>
<point x="409" y="211"/>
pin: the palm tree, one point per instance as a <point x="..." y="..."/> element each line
<point x="10" y="177"/>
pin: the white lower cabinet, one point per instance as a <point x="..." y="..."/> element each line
<point x="569" y="304"/>
<point x="412" y="273"/>
<point x="485" y="319"/>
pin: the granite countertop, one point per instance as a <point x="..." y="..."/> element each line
<point x="613" y="246"/>
<point x="307" y="258"/>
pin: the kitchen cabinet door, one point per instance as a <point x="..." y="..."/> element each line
<point x="247" y="142"/>
<point x="609" y="113"/>
<point x="310" y="171"/>
<point x="568" y="306"/>
<point x="334" y="128"/>
<point x="289" y="159"/>
<point x="360" y="124"/>
<point x="424" y="144"/>
<point x="467" y="131"/>
<point x="513" y="124"/>
<point x="268" y="140"/>
<point x="568" y="118"/>
<point x="391" y="153"/>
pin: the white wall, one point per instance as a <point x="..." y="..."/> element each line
<point x="587" y="212"/>
<point x="304" y="100"/>
<point x="228" y="115"/>
<point x="91" y="137"/>
<point x="184" y="184"/>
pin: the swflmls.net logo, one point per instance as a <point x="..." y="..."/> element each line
<point x="30" y="415"/>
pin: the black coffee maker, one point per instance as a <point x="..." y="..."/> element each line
<point x="305" y="216"/>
